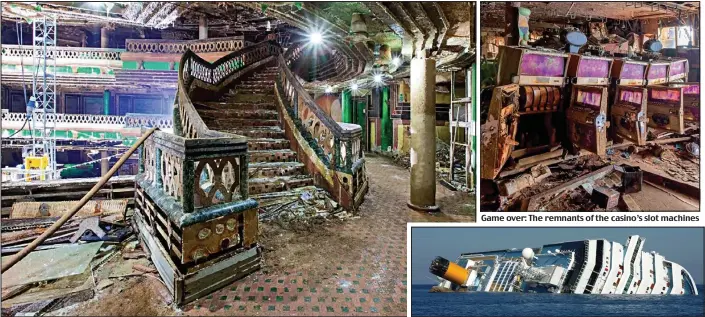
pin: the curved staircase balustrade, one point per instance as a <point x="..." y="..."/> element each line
<point x="331" y="150"/>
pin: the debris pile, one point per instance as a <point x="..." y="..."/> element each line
<point x="300" y="205"/>
<point x="667" y="166"/>
<point x="442" y="164"/>
<point x="62" y="270"/>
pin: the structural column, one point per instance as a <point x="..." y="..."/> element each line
<point x="202" y="28"/>
<point x="423" y="135"/>
<point x="386" y="121"/>
<point x="104" y="163"/>
<point x="106" y="102"/>
<point x="346" y="105"/>
<point x="104" y="40"/>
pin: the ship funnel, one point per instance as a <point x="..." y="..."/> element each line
<point x="449" y="271"/>
<point x="528" y="255"/>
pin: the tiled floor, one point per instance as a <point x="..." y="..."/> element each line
<point x="367" y="278"/>
<point x="335" y="268"/>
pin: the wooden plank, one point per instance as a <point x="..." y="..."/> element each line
<point x="629" y="203"/>
<point x="166" y="268"/>
<point x="550" y="162"/>
<point x="250" y="230"/>
<point x="517" y="154"/>
<point x="218" y="275"/>
<point x="532" y="160"/>
<point x="670" y="183"/>
<point x="535" y="201"/>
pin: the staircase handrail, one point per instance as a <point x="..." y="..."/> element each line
<point x="308" y="100"/>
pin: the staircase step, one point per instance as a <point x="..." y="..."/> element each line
<point x="258" y="133"/>
<point x="254" y="90"/>
<point x="250" y="96"/>
<point x="273" y="198"/>
<point x="263" y="144"/>
<point x="264" y="156"/>
<point x="240" y="112"/>
<point x="274" y="169"/>
<point x="277" y="184"/>
<point x="229" y="123"/>
<point x="244" y="106"/>
<point x="258" y="82"/>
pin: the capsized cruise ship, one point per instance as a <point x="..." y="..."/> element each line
<point x="578" y="267"/>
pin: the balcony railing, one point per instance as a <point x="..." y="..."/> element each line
<point x="91" y="122"/>
<point x="86" y="53"/>
<point x="224" y="44"/>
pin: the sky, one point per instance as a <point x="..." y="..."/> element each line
<point x="681" y="245"/>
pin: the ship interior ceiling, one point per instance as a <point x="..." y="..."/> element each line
<point x="590" y="106"/>
<point x="223" y="137"/>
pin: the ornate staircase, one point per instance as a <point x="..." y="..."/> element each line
<point x="250" y="109"/>
<point x="292" y="143"/>
<point x="244" y="128"/>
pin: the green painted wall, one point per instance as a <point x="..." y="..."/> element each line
<point x="106" y="102"/>
<point x="79" y="135"/>
<point x="386" y="129"/>
<point x="360" y="119"/>
<point x="346" y="104"/>
<point x="133" y="65"/>
<point x="130" y="65"/>
<point x="155" y="65"/>
<point x="88" y="70"/>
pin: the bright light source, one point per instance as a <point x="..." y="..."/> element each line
<point x="396" y="61"/>
<point x="329" y="89"/>
<point x="378" y="78"/>
<point x="354" y="87"/>
<point x="316" y="38"/>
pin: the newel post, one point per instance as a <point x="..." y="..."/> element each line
<point x="158" y="167"/>
<point x="189" y="184"/>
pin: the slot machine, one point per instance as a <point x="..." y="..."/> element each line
<point x="691" y="101"/>
<point x="628" y="114"/>
<point x="586" y="116"/>
<point x="678" y="71"/>
<point x="589" y="70"/>
<point x="665" y="108"/>
<point x="528" y="91"/>
<point x="657" y="72"/>
<point x="628" y="72"/>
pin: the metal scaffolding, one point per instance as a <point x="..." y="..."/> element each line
<point x="44" y="90"/>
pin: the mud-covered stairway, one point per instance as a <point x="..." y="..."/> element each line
<point x="250" y="109"/>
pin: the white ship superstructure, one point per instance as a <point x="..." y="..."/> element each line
<point x="579" y="267"/>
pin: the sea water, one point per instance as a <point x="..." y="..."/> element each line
<point x="424" y="303"/>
